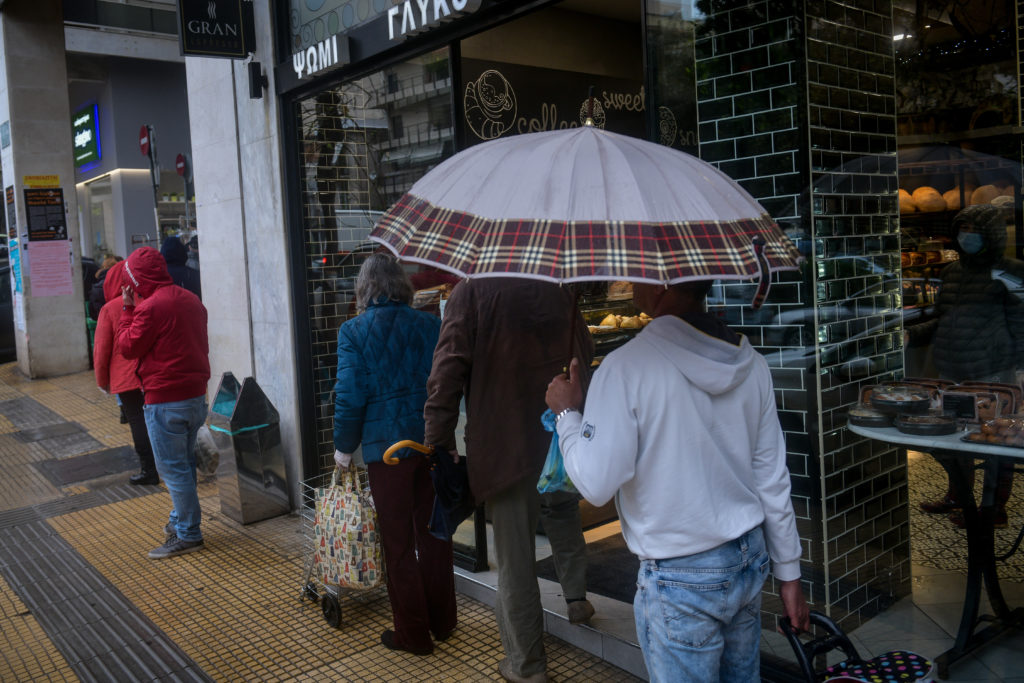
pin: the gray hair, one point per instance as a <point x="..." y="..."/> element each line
<point x="381" y="278"/>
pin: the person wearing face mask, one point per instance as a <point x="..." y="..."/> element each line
<point x="978" y="332"/>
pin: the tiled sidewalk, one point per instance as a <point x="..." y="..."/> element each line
<point x="79" y="600"/>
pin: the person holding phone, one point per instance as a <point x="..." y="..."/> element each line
<point x="163" y="326"/>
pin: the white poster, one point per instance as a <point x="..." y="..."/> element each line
<point x="19" y="311"/>
<point x="51" y="268"/>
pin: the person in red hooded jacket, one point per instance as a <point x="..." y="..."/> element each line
<point x="164" y="327"/>
<point x="115" y="374"/>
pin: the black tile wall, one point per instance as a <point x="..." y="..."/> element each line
<point x="797" y="104"/>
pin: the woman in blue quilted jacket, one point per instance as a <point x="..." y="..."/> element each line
<point x="384" y="358"/>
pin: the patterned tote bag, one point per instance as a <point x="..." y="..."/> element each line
<point x="348" y="549"/>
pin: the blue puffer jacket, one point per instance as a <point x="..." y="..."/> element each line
<point x="384" y="358"/>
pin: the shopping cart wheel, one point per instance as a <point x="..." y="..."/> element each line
<point x="309" y="591"/>
<point x="331" y="609"/>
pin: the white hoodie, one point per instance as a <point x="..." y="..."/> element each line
<point x="681" y="428"/>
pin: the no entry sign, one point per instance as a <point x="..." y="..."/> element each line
<point x="144" y="141"/>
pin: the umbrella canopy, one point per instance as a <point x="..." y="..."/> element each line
<point x="584" y="204"/>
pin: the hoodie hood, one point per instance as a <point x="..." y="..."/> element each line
<point x="113" y="281"/>
<point x="174" y="252"/>
<point x="990" y="222"/>
<point x="709" y="363"/>
<point x="146" y="271"/>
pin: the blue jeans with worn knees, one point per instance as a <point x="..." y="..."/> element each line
<point x="698" y="617"/>
<point x="172" y="432"/>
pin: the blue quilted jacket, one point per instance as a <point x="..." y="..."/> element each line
<point x="384" y="357"/>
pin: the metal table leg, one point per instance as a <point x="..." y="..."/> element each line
<point x="981" y="564"/>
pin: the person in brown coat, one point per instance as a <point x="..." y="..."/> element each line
<point x="501" y="340"/>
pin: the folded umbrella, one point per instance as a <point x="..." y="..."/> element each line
<point x="453" y="500"/>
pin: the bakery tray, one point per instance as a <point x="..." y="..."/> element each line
<point x="907" y="425"/>
<point x="910" y="407"/>
<point x="967" y="439"/>
<point x="871" y="420"/>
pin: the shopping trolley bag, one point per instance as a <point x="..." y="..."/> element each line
<point x="348" y="551"/>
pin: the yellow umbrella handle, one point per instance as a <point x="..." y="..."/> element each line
<point x="389" y="454"/>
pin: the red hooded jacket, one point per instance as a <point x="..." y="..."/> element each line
<point x="166" y="331"/>
<point x="114" y="372"/>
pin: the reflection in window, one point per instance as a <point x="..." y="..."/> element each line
<point x="99" y="241"/>
<point x="361" y="145"/>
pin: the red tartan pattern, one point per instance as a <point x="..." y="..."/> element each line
<point x="348" y="550"/>
<point x="561" y="251"/>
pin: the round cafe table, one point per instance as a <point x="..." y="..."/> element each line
<point x="958" y="458"/>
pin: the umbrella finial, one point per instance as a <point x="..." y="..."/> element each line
<point x="589" y="121"/>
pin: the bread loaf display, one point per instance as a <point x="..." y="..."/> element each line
<point x="930" y="203"/>
<point x="985" y="194"/>
<point x="907" y="203"/>
<point x="952" y="199"/>
<point x="923" y="192"/>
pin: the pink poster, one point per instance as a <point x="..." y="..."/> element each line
<point x="50" y="268"/>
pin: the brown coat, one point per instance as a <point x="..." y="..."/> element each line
<point x="502" y="340"/>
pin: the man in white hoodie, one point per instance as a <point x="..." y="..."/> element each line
<point x="681" y="427"/>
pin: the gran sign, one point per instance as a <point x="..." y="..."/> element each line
<point x="85" y="135"/>
<point x="215" y="28"/>
<point x="416" y="16"/>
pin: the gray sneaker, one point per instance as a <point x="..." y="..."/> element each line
<point x="170" y="533"/>
<point x="175" y="546"/>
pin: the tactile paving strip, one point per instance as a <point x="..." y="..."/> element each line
<point x="100" y="634"/>
<point x="25" y="413"/>
<point x="235" y="607"/>
<point x="48" y="432"/>
<point x="232" y="611"/>
<point x="26" y="653"/>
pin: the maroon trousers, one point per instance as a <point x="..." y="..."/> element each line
<point x="421" y="582"/>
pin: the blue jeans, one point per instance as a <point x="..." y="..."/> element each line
<point x="172" y="432"/>
<point x="698" y="617"/>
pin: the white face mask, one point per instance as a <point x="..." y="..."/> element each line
<point x="970" y="242"/>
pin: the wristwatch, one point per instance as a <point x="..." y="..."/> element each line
<point x="562" y="413"/>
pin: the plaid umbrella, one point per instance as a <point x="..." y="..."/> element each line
<point x="584" y="204"/>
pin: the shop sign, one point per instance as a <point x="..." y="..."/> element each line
<point x="321" y="57"/>
<point x="85" y="135"/>
<point x="216" y="28"/>
<point x="49" y="180"/>
<point x="508" y="99"/>
<point x="45" y="209"/>
<point x="417" y="16"/>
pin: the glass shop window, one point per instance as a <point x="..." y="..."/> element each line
<point x="361" y="146"/>
<point x="959" y="150"/>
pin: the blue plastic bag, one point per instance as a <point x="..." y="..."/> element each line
<point x="553" y="477"/>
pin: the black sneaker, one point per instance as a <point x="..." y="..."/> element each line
<point x="174" y="547"/>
